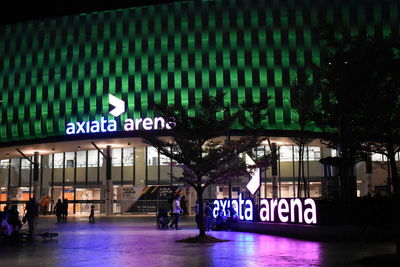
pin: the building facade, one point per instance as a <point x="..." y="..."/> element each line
<point x="61" y="79"/>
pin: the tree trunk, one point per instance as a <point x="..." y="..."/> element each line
<point x="299" y="174"/>
<point x="303" y="172"/>
<point x="202" y="228"/>
<point x="393" y="170"/>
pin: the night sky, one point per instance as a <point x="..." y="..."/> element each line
<point x="18" y="11"/>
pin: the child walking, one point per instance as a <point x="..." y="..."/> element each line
<point x="91" y="217"/>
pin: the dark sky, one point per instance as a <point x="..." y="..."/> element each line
<point x="18" y="11"/>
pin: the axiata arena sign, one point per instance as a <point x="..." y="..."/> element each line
<point x="129" y="124"/>
<point x="281" y="210"/>
<point x="104" y="125"/>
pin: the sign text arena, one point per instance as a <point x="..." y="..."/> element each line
<point x="281" y="210"/>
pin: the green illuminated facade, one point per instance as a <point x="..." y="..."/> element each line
<point x="60" y="70"/>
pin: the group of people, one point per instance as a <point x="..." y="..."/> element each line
<point x="11" y="223"/>
<point x="176" y="210"/>
<point x="223" y="220"/>
<point x="61" y="210"/>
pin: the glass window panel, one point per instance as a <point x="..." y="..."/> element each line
<point x="152" y="165"/>
<point x="81" y="159"/>
<point x="69" y="168"/>
<point x="128" y="156"/>
<point x="25" y="164"/>
<point x="15" y="172"/>
<point x="286" y="153"/>
<point x="58" y="160"/>
<point x="314" y="153"/>
<point x="152" y="156"/>
<point x="116" y="157"/>
<point x="93" y="158"/>
<point x="378" y="157"/>
<point x="140" y="166"/>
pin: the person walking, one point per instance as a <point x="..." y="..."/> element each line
<point x="31" y="214"/>
<point x="58" y="209"/>
<point x="176" y="210"/>
<point x="91" y="216"/>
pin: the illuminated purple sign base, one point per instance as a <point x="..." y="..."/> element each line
<point x="281" y="210"/>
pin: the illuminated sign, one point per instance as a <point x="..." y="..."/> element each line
<point x="243" y="207"/>
<point x="104" y="125"/>
<point x="129" y="124"/>
<point x="284" y="210"/>
<point x="280" y="210"/>
<point x="255" y="181"/>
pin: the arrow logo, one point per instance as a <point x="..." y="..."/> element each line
<point x="254" y="182"/>
<point x="118" y="104"/>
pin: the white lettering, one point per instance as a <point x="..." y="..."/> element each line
<point x="293" y="203"/>
<point x="241" y="202"/>
<point x="216" y="208"/>
<point x="95" y="128"/>
<point x="248" y="212"/>
<point x="283" y="210"/>
<point x="103" y="122"/>
<point x="129" y="125"/>
<point x="223" y="206"/>
<point x="264" y="210"/>
<point x="310" y="213"/>
<point x="274" y="204"/>
<point x="112" y="126"/>
<point x="159" y="121"/>
<point x="80" y="126"/>
<point x="137" y="122"/>
<point x="147" y="124"/>
<point x="70" y="128"/>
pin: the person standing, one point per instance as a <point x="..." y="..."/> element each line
<point x="58" y="210"/>
<point x="176" y="210"/>
<point x="65" y="209"/>
<point x="31" y="214"/>
<point x="208" y="216"/>
<point x="183" y="205"/>
<point x="91" y="216"/>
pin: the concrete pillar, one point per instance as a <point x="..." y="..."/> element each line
<point x="326" y="173"/>
<point x="36" y="175"/>
<point x="109" y="189"/>
<point x="368" y="175"/>
<point x="274" y="170"/>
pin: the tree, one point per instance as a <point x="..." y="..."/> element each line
<point x="343" y="78"/>
<point x="382" y="103"/>
<point x="304" y="93"/>
<point x="196" y="145"/>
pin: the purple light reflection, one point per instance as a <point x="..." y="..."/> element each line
<point x="249" y="249"/>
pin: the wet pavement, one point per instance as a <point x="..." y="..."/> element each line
<point x="134" y="241"/>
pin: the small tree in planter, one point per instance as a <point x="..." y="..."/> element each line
<point x="197" y="144"/>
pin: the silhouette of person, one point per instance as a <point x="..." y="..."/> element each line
<point x="91" y="216"/>
<point x="65" y="210"/>
<point x="58" y="209"/>
<point x="31" y="213"/>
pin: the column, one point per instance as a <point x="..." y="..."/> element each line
<point x="36" y="175"/>
<point x="368" y="176"/>
<point x="274" y="170"/>
<point x="109" y="189"/>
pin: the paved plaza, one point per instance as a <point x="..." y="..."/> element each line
<point x="126" y="240"/>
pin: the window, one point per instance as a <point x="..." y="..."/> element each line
<point x="152" y="156"/>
